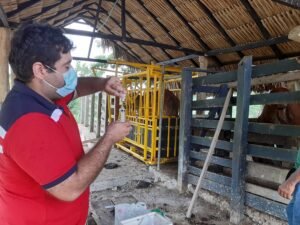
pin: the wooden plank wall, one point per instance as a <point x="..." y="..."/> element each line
<point x="230" y="172"/>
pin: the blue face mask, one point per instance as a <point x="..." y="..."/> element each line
<point x="70" y="78"/>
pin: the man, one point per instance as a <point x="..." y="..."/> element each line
<point x="44" y="173"/>
<point x="291" y="188"/>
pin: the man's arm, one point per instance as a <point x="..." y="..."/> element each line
<point x="90" y="85"/>
<point x="286" y="189"/>
<point x="91" y="164"/>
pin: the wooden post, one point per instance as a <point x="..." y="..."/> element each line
<point x="203" y="61"/>
<point x="185" y="127"/>
<point x="82" y="110"/>
<point x="99" y="115"/>
<point x="92" y="118"/>
<point x="87" y="111"/>
<point x="210" y="152"/>
<point x="4" y="76"/>
<point x="240" y="141"/>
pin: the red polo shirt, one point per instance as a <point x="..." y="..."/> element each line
<point x="39" y="148"/>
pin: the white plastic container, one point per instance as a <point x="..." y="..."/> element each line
<point x="151" y="218"/>
<point x="127" y="211"/>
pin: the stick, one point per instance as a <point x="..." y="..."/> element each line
<point x="210" y="152"/>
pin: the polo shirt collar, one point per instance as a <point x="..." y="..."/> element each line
<point x="24" y="89"/>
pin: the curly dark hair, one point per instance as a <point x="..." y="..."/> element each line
<point x="36" y="42"/>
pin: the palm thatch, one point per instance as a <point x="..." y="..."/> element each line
<point x="201" y="25"/>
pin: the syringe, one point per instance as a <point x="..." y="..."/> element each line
<point x="122" y="110"/>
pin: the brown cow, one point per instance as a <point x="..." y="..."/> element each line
<point x="279" y="114"/>
<point x="171" y="103"/>
<point x="275" y="113"/>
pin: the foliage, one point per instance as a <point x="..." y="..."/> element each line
<point x="85" y="69"/>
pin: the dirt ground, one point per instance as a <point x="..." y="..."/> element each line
<point x="131" y="182"/>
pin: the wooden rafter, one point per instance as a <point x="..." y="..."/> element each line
<point x="291" y="3"/>
<point x="216" y="23"/>
<point x="144" y="30"/>
<point x="261" y="27"/>
<point x="191" y="29"/>
<point x="214" y="52"/>
<point x="116" y="22"/>
<point x="44" y="10"/>
<point x="128" y="50"/>
<point x="3" y="17"/>
<point x="21" y="7"/>
<point x="165" y="29"/>
<point x="82" y="2"/>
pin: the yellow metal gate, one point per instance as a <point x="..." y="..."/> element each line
<point x="142" y="103"/>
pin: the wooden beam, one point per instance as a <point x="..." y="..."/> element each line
<point x="21" y="7"/>
<point x="82" y="2"/>
<point x="44" y="9"/>
<point x="172" y="61"/>
<point x="92" y="118"/>
<point x="185" y="128"/>
<point x="68" y="21"/>
<point x="258" y="44"/>
<point x="163" y="27"/>
<point x="262" y="58"/>
<point x="123" y="19"/>
<point x="3" y="17"/>
<point x="94" y="27"/>
<point x="118" y="24"/>
<point x="5" y="34"/>
<point x="128" y="50"/>
<point x="145" y="31"/>
<point x="261" y="27"/>
<point x="133" y="40"/>
<point x="237" y="203"/>
<point x="82" y="110"/>
<point x="281" y="39"/>
<point x="87" y="111"/>
<point x="290" y="3"/>
<point x="92" y="9"/>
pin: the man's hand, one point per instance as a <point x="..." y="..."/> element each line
<point x="286" y="189"/>
<point x="117" y="131"/>
<point x="113" y="86"/>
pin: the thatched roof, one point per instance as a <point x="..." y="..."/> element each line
<point x="200" y="25"/>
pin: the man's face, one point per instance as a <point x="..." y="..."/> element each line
<point x="61" y="66"/>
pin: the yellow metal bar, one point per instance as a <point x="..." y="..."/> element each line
<point x="135" y="74"/>
<point x="142" y="109"/>
<point x="106" y="70"/>
<point x="144" y="66"/>
<point x="154" y="126"/>
<point x="146" y="113"/>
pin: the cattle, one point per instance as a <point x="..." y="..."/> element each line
<point x="279" y="114"/>
<point x="171" y="104"/>
<point x="170" y="107"/>
<point x="274" y="113"/>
